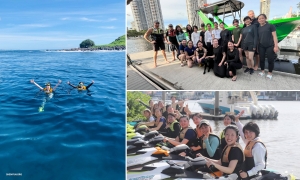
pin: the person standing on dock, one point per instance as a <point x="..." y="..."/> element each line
<point x="254" y="21"/>
<point x="171" y="33"/>
<point x="249" y="43"/>
<point x="208" y="40"/>
<point x="195" y="36"/>
<point x="202" y="35"/>
<point x="157" y="39"/>
<point x="237" y="38"/>
<point x="216" y="33"/>
<point x="268" y="44"/>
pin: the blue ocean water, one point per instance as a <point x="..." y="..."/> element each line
<point x="79" y="135"/>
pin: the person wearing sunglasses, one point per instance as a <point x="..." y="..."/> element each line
<point x="81" y="86"/>
<point x="47" y="89"/>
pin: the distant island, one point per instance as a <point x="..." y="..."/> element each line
<point x="89" y="45"/>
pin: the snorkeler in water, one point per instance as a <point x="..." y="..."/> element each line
<point x="81" y="86"/>
<point x="48" y="90"/>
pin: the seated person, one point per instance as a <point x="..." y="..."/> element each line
<point x="255" y="150"/>
<point x="158" y="125"/>
<point x="81" y="86"/>
<point x="187" y="134"/>
<point x="227" y="120"/>
<point x="232" y="157"/>
<point x="47" y="89"/>
<point x="173" y="127"/>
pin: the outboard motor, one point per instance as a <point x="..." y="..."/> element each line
<point x="267" y="112"/>
<point x="255" y="111"/>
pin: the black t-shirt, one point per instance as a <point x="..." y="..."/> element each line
<point x="225" y="36"/>
<point x="172" y="36"/>
<point x="200" y="52"/>
<point x="249" y="35"/>
<point x="265" y="35"/>
<point x="233" y="56"/>
<point x="235" y="154"/>
<point x="255" y="22"/>
<point x="218" y="54"/>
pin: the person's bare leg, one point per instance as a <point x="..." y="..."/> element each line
<point x="155" y="58"/>
<point x="190" y="63"/>
<point x="251" y="61"/>
<point x="241" y="54"/>
<point x="256" y="62"/>
<point x="247" y="59"/>
<point x="165" y="56"/>
<point x="173" y="52"/>
<point x="182" y="58"/>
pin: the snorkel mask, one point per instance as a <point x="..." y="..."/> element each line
<point x="80" y="84"/>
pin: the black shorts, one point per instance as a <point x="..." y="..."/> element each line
<point x="248" y="48"/>
<point x="160" y="45"/>
<point x="173" y="47"/>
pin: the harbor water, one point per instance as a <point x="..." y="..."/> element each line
<point x="75" y="136"/>
<point x="280" y="136"/>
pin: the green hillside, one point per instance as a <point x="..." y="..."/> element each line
<point x="118" y="43"/>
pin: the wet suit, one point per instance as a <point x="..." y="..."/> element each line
<point x="82" y="87"/>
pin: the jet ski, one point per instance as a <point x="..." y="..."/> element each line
<point x="150" y="155"/>
<point x="174" y="170"/>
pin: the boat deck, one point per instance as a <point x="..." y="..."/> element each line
<point x="194" y="79"/>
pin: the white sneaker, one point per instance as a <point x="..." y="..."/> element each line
<point x="261" y="74"/>
<point x="269" y="76"/>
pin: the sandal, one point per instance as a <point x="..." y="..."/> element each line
<point x="269" y="76"/>
<point x="234" y="79"/>
<point x="182" y="64"/>
<point x="261" y="74"/>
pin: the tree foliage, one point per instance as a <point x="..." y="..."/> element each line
<point x="134" y="108"/>
<point x="134" y="33"/>
<point x="87" y="43"/>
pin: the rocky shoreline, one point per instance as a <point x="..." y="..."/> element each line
<point x="117" y="48"/>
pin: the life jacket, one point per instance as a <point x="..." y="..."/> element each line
<point x="200" y="53"/>
<point x="82" y="88"/>
<point x="249" y="162"/>
<point x="157" y="35"/>
<point x="48" y="92"/>
<point x="172" y="125"/>
<point x="171" y="33"/>
<point x="182" y="135"/>
<point x="204" y="151"/>
<point x="226" y="151"/>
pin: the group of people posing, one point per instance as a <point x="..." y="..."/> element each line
<point x="223" y="152"/>
<point x="220" y="49"/>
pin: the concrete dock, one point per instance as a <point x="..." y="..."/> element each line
<point x="185" y="78"/>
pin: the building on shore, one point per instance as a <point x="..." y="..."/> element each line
<point x="133" y="25"/>
<point x="192" y="6"/>
<point x="145" y="12"/>
<point x="265" y="7"/>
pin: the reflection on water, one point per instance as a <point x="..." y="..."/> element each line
<point x="280" y="136"/>
<point x="287" y="61"/>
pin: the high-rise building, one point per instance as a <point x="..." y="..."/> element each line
<point x="145" y="12"/>
<point x="265" y="7"/>
<point x="192" y="7"/>
<point x="133" y="25"/>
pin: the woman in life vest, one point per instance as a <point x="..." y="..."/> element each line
<point x="81" y="86"/>
<point x="255" y="151"/>
<point x="227" y="120"/>
<point x="187" y="134"/>
<point x="232" y="157"/>
<point x="173" y="127"/>
<point x="158" y="125"/>
<point x="47" y="89"/>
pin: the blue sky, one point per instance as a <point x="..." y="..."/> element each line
<point x="174" y="12"/>
<point x="58" y="24"/>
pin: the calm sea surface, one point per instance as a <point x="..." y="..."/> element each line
<point x="280" y="136"/>
<point x="79" y="135"/>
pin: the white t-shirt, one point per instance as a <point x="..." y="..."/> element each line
<point x="217" y="33"/>
<point x="195" y="38"/>
<point x="151" y="119"/>
<point x="208" y="37"/>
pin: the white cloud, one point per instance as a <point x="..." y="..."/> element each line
<point x="107" y="27"/>
<point x="112" y="19"/>
<point x="35" y="25"/>
<point x="88" y="19"/>
<point x="65" y="18"/>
